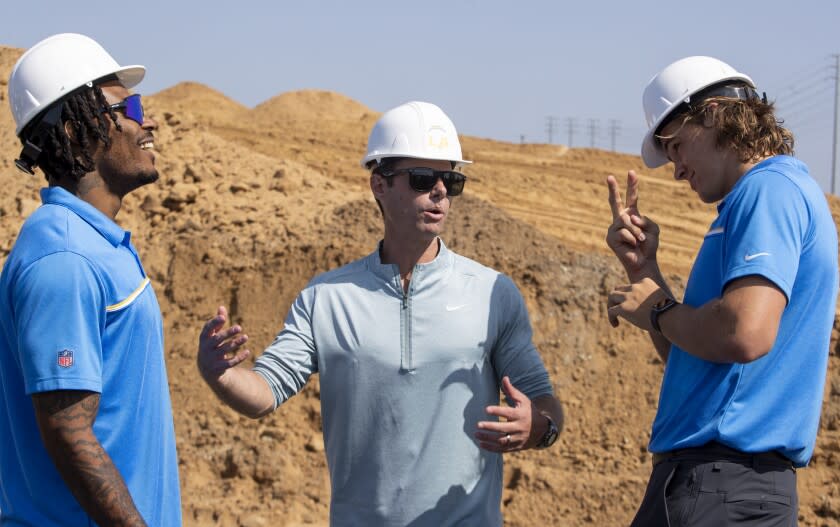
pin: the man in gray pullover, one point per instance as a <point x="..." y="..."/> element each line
<point x="413" y="344"/>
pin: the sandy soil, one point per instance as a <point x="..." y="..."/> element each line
<point x="253" y="202"/>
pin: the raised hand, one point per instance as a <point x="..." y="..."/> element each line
<point x="219" y="348"/>
<point x="632" y="237"/>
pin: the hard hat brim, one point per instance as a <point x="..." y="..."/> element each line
<point x="130" y="76"/>
<point x="367" y="159"/>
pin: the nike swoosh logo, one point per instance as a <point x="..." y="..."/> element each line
<point x="455" y="308"/>
<point x="750" y="257"/>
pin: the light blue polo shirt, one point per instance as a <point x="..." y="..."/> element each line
<point x="774" y="223"/>
<point x="77" y="312"/>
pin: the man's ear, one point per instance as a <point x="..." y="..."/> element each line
<point x="377" y="184"/>
<point x="709" y="114"/>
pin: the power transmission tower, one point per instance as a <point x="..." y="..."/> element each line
<point x="615" y="128"/>
<point x="593" y="131"/>
<point x="572" y="123"/>
<point x="834" y="167"/>
<point x="550" y="127"/>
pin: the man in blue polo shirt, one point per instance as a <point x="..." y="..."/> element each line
<point x="746" y="351"/>
<point x="86" y="431"/>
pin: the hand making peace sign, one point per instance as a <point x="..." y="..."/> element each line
<point x="632" y="237"/>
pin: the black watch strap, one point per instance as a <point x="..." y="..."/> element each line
<point x="658" y="309"/>
<point x="551" y="434"/>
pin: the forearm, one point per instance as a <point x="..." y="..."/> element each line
<point x="94" y="480"/>
<point x="65" y="423"/>
<point x="245" y="391"/>
<point x="713" y="332"/>
<point x="660" y="343"/>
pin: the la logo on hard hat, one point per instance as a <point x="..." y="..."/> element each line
<point x="436" y="138"/>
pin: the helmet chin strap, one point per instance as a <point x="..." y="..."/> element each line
<point x="34" y="142"/>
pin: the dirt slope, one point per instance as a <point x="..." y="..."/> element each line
<point x="253" y="202"/>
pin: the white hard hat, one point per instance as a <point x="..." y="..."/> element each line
<point x="675" y="85"/>
<point x="415" y="129"/>
<point x="55" y="67"/>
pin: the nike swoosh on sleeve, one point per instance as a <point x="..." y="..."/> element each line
<point x="750" y="257"/>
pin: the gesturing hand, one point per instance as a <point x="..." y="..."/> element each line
<point x="514" y="433"/>
<point x="633" y="303"/>
<point x="219" y="348"/>
<point x="633" y="238"/>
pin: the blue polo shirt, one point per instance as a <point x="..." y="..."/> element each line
<point x="77" y="312"/>
<point x="774" y="223"/>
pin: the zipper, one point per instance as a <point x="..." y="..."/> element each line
<point x="406" y="356"/>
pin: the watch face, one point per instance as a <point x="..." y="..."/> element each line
<point x="550" y="435"/>
<point x="551" y="438"/>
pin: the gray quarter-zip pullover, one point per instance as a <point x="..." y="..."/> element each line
<point x="405" y="378"/>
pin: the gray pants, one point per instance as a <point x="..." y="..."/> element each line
<point x="714" y="486"/>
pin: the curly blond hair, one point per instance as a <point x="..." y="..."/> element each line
<point x="748" y="126"/>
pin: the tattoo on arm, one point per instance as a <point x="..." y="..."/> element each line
<point x="65" y="419"/>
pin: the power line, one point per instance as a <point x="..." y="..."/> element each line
<point x="805" y="130"/>
<point x="796" y="113"/>
<point x="804" y="96"/>
<point x="793" y="82"/>
<point x="617" y="133"/>
<point x="806" y="71"/>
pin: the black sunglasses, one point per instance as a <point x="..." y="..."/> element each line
<point x="131" y="108"/>
<point x="424" y="179"/>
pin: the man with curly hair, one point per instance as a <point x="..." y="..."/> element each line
<point x="86" y="429"/>
<point x="746" y="350"/>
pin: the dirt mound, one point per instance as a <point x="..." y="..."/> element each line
<point x="313" y="105"/>
<point x="200" y="102"/>
<point x="247" y="211"/>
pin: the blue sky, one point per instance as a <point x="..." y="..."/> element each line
<point x="499" y="69"/>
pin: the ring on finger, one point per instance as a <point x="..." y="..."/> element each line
<point x="507" y="439"/>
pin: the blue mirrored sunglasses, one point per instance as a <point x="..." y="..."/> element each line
<point x="131" y="107"/>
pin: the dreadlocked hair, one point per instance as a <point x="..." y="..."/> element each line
<point x="82" y="112"/>
<point x="750" y="126"/>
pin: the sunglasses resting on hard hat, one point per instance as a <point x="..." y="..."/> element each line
<point x="131" y="107"/>
<point x="424" y="179"/>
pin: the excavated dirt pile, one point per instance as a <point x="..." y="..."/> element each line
<point x="254" y="202"/>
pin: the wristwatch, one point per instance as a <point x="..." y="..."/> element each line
<point x="550" y="435"/>
<point x="658" y="309"/>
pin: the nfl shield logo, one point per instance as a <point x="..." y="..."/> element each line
<point x="65" y="358"/>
